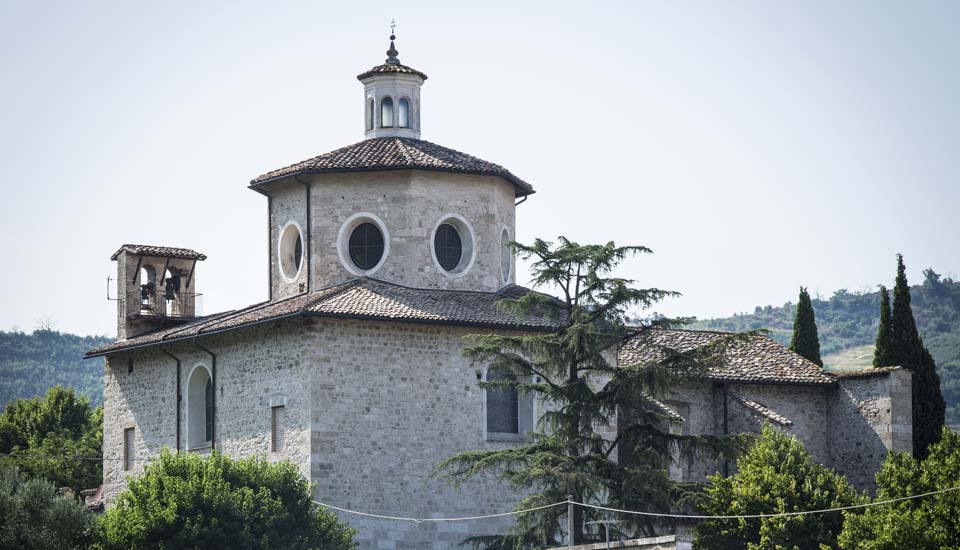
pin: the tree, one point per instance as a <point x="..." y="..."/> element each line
<point x="573" y="371"/>
<point x="34" y="517"/>
<point x="189" y="501"/>
<point x="38" y="432"/>
<point x="776" y="475"/>
<point x="928" y="523"/>
<point x="881" y="353"/>
<point x="805" y="340"/>
<point x="906" y="349"/>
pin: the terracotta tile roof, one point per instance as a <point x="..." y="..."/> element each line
<point x="664" y="409"/>
<point x="388" y="68"/>
<point x="761" y="409"/>
<point x="865" y="373"/>
<point x="756" y="359"/>
<point x="358" y="299"/>
<point x="162" y="251"/>
<point x="396" y="153"/>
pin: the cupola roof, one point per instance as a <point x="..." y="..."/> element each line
<point x="391" y="65"/>
<point x="396" y="153"/>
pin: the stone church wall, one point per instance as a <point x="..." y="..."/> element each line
<point x="288" y="203"/>
<point x="389" y="402"/>
<point x="869" y="415"/>
<point x="372" y="408"/>
<point x="410" y="204"/>
<point x="256" y="368"/>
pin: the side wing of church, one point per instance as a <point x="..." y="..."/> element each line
<point x="383" y="255"/>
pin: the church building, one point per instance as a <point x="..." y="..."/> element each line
<point x="382" y="256"/>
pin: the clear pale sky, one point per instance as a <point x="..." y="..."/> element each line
<point x="755" y="146"/>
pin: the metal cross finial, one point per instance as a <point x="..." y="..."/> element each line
<point x="392" y="52"/>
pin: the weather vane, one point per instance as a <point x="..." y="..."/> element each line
<point x="393" y="25"/>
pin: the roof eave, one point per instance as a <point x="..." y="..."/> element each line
<point x="444" y="322"/>
<point x="522" y="188"/>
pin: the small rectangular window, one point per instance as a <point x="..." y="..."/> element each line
<point x="278" y="423"/>
<point x="128" y="452"/>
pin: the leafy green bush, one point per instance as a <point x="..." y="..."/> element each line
<point x="33" y="517"/>
<point x="189" y="501"/>
<point x="928" y="523"/>
<point x="776" y="475"/>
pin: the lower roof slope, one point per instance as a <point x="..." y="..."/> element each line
<point x="363" y="298"/>
<point x="395" y="153"/>
<point x="753" y="359"/>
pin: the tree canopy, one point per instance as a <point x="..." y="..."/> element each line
<point x="805" y="340"/>
<point x="37" y="432"/>
<point x="928" y="523"/>
<point x="190" y="501"/>
<point x="776" y="475"/>
<point x="34" y="517"/>
<point x="573" y="371"/>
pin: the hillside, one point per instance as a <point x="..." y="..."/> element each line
<point x="31" y="363"/>
<point x="847" y="323"/>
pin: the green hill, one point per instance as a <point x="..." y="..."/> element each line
<point x="31" y="363"/>
<point x="847" y="323"/>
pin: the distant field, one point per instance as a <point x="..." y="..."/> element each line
<point x="857" y="358"/>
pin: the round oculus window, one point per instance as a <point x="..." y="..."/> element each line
<point x="366" y="245"/>
<point x="448" y="246"/>
<point x="291" y="251"/>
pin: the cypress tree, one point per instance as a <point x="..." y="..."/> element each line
<point x="881" y="353"/>
<point x="805" y="340"/>
<point x="906" y="349"/>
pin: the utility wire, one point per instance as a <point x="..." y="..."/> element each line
<point x="78" y="458"/>
<point x="776" y="515"/>
<point x="518" y="512"/>
<point x="652" y="514"/>
<point x="435" y="520"/>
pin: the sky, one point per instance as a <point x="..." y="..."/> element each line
<point x="754" y="146"/>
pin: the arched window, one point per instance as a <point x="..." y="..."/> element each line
<point x="403" y="115"/>
<point x="171" y="291"/>
<point x="503" y="404"/>
<point x="199" y="408"/>
<point x="386" y="113"/>
<point x="148" y="290"/>
<point x="371" y="113"/>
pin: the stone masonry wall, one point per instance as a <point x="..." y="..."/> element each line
<point x="128" y="290"/>
<point x="702" y="408"/>
<point x="410" y="204"/>
<point x="372" y="408"/>
<point x="390" y="401"/>
<point x="870" y="415"/>
<point x="806" y="406"/>
<point x="288" y="204"/>
<point x="256" y="367"/>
